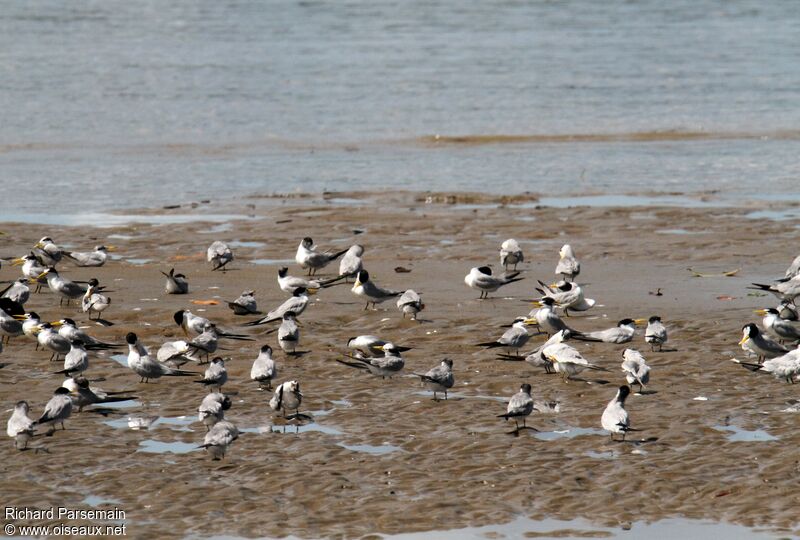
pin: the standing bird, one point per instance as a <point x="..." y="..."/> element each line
<point x="57" y="410"/>
<point x="66" y="289"/>
<point x="351" y="263"/>
<point x="514" y="338"/>
<point x="297" y="304"/>
<point x="635" y="368"/>
<point x="308" y="257"/>
<point x="68" y="329"/>
<point x="439" y="378"/>
<point x="753" y="341"/>
<point x="30" y="325"/>
<point x="212" y="409"/>
<point x="197" y="324"/>
<point x="622" y="333"/>
<point x="20" y="427"/>
<point x="655" y="333"/>
<point x="366" y="288"/>
<point x="47" y="252"/>
<point x="788" y="311"/>
<point x="204" y="344"/>
<point x="32" y="269"/>
<point x="176" y="283"/>
<point x="215" y="376"/>
<point x="615" y="418"/>
<point x="567" y="295"/>
<point x="219" y="254"/>
<point x="76" y="360"/>
<point x="290" y="284"/>
<point x="286" y="396"/>
<point x="10" y="314"/>
<point x="568" y="266"/>
<point x="783" y="330"/>
<point x="390" y="364"/>
<point x="289" y="333"/>
<point x="481" y="278"/>
<point x="245" y="304"/>
<point x="18" y="291"/>
<point x="520" y="406"/>
<point x="83" y="395"/>
<point x="264" y="369"/>
<point x="219" y="438"/>
<point x="410" y="303"/>
<point x="547" y="318"/>
<point x="94" y="301"/>
<point x="97" y="257"/>
<point x="567" y="360"/>
<point x="141" y="363"/>
<point x="50" y="339"/>
<point x="511" y="253"/>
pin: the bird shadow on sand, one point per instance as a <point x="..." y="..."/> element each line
<point x="297" y="354"/>
<point x="645" y="392"/>
<point x="103" y="322"/>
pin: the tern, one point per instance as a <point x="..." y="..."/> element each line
<point x="264" y="369"/>
<point x="367" y="289"/>
<point x="520" y="406"/>
<point x="622" y="333"/>
<point x="568" y="266"/>
<point x="219" y="438"/>
<point x="753" y="341"/>
<point x="481" y="278"/>
<point x="286" y="396"/>
<point x="387" y="366"/>
<point x="308" y="257"/>
<point x="245" y="304"/>
<point x="176" y="283"/>
<point x="615" y="418"/>
<point x="635" y="368"/>
<point x="410" y="303"/>
<point x="297" y="304"/>
<point x="655" y="333"/>
<point x="95" y="258"/>
<point x="439" y="378"/>
<point x="20" y="427"/>
<point x="141" y="363"/>
<point x="212" y="409"/>
<point x="57" y="410"/>
<point x="514" y="338"/>
<point x="511" y="253"/>
<point x="219" y="254"/>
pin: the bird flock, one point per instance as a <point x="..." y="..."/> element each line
<point x="558" y="354"/>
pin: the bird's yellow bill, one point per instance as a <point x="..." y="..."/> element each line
<point x="760" y="311"/>
<point x="111" y="248"/>
<point x="744" y="340"/>
<point x="56" y="323"/>
<point x="38" y="245"/>
<point x="312" y="291"/>
<point x="530" y="321"/>
<point x="357" y="283"/>
<point x="40" y="276"/>
<point x="379" y="347"/>
<point x="640" y="321"/>
<point x="20" y="317"/>
<point x="537" y="303"/>
<point x="18" y="261"/>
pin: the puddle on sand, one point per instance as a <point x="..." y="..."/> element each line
<point x="138" y="261"/>
<point x="112" y="220"/>
<point x="568" y="433"/>
<point x="121" y="359"/>
<point x="95" y="501"/>
<point x="177" y="423"/>
<point x="523" y="527"/>
<point x="272" y="261"/>
<point x="245" y="244"/>
<point x="291" y="429"/>
<point x="738" y="434"/>
<point x="160" y="447"/>
<point x="775" y="215"/>
<point x="129" y="404"/>
<point x="676" y="231"/>
<point x="370" y="449"/>
<point x="222" y="227"/>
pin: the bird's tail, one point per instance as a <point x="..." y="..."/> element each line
<point x="760" y="287"/>
<point x="584" y="337"/>
<point x="489" y="344"/>
<point x="338" y="254"/>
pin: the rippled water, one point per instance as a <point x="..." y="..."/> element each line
<point x="148" y="103"/>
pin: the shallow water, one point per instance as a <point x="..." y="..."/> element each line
<point x="124" y="104"/>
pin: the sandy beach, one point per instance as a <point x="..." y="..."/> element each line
<point x="717" y="443"/>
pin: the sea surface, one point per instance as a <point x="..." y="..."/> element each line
<point x="111" y="104"/>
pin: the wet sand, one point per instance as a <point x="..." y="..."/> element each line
<point x="381" y="456"/>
